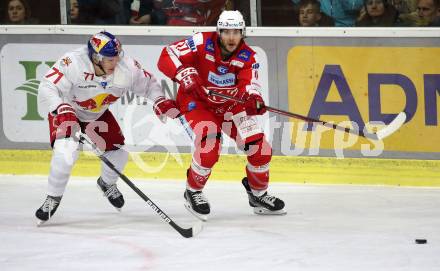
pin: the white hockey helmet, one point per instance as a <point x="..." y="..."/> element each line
<point x="231" y="19"/>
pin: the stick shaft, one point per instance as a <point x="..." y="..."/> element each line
<point x="301" y="117"/>
<point x="184" y="232"/>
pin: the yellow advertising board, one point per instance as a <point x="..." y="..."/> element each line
<point x="367" y="86"/>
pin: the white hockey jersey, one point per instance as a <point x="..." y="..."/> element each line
<point x="72" y="80"/>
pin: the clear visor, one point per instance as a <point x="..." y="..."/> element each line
<point x="111" y="58"/>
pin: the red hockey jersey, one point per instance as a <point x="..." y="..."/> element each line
<point x="234" y="76"/>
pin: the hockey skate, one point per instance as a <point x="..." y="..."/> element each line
<point x="197" y="204"/>
<point x="264" y="204"/>
<point x="47" y="210"/>
<point x="112" y="193"/>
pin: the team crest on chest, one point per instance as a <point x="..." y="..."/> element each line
<point x="222" y="69"/>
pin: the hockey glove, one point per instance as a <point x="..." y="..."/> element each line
<point x="165" y="108"/>
<point x="65" y="118"/>
<point x="254" y="104"/>
<point x="64" y="113"/>
<point x="189" y="80"/>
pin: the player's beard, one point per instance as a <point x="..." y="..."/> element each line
<point x="226" y="54"/>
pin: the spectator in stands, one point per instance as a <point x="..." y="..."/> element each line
<point x="411" y="18"/>
<point x="310" y="14"/>
<point x="402" y="6"/>
<point x="144" y="12"/>
<point x="18" y="12"/>
<point x="74" y="11"/>
<point x="343" y="12"/>
<point x="378" y="13"/>
<point x="412" y="4"/>
<point x="158" y="16"/>
<point x="428" y="12"/>
<point x="141" y="12"/>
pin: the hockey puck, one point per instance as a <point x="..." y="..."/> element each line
<point x="421" y="241"/>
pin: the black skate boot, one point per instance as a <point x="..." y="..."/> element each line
<point x="112" y="193"/>
<point x="47" y="210"/>
<point x="264" y="204"/>
<point x="197" y="204"/>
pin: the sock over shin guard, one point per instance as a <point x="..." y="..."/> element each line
<point x="64" y="156"/>
<point x="119" y="159"/>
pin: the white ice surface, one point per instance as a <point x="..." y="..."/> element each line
<point x="327" y="228"/>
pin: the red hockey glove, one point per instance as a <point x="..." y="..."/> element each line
<point x="254" y="104"/>
<point x="189" y="80"/>
<point x="65" y="118"/>
<point x="64" y="113"/>
<point x="165" y="108"/>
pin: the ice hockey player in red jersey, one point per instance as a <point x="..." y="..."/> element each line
<point x="221" y="61"/>
<point x="77" y="92"/>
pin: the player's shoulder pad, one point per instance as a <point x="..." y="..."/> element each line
<point x="73" y="63"/>
<point x="129" y="63"/>
<point x="256" y="62"/>
<point x="133" y="66"/>
<point x="245" y="53"/>
<point x="209" y="44"/>
<point x="194" y="41"/>
<point x="66" y="61"/>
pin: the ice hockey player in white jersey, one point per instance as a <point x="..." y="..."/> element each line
<point x="77" y="92"/>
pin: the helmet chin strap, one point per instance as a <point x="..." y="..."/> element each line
<point x="102" y="69"/>
<point x="98" y="64"/>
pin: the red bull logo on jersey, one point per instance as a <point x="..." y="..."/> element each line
<point x="97" y="103"/>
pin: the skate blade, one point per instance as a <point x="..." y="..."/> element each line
<point x="40" y="222"/>
<point x="264" y="211"/>
<point x="203" y="218"/>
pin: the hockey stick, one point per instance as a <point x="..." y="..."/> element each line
<point x="187" y="233"/>
<point x="383" y="133"/>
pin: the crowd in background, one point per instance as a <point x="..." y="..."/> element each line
<point x="363" y="13"/>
